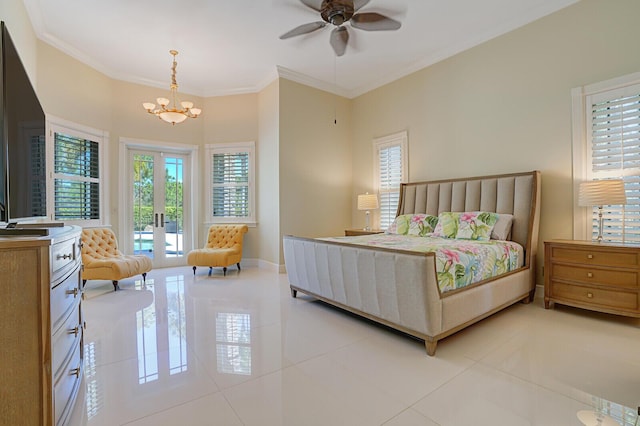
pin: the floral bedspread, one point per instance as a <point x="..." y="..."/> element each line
<point x="459" y="262"/>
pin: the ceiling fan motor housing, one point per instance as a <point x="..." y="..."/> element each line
<point x="337" y="12"/>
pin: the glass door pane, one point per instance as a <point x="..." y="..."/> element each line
<point x="143" y="204"/>
<point x="174" y="206"/>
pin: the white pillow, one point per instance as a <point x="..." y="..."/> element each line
<point x="502" y="229"/>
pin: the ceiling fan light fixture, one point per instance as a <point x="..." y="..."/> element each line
<point x="169" y="110"/>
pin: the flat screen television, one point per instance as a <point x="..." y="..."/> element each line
<point x="22" y="140"/>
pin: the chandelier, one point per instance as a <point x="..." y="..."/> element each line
<point x="168" y="110"/>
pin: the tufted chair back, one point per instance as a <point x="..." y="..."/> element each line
<point x="226" y="236"/>
<point x="98" y="243"/>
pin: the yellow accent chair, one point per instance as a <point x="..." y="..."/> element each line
<point x="101" y="259"/>
<point x="223" y="248"/>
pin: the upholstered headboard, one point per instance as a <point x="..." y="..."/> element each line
<point x="517" y="194"/>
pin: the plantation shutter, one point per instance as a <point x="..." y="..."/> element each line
<point x="76" y="178"/>
<point x="614" y="127"/>
<point x="391" y="171"/>
<point x="230" y="185"/>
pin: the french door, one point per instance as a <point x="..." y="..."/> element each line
<point x="158" y="208"/>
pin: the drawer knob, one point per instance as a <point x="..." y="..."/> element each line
<point x="75" y="372"/>
<point x="589" y="275"/>
<point x="590" y="295"/>
<point x="589" y="256"/>
<point x="74" y="292"/>
<point x="65" y="256"/>
<point x="74" y="330"/>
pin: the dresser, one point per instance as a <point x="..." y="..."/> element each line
<point x="41" y="327"/>
<point x="597" y="276"/>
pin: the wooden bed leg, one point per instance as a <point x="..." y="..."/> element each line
<point x="529" y="298"/>
<point x="294" y="293"/>
<point x="431" y="346"/>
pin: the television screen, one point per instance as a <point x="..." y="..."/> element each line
<point x="23" y="122"/>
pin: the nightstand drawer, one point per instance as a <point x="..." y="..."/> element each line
<point x="594" y="275"/>
<point x="596" y="256"/>
<point x="595" y="296"/>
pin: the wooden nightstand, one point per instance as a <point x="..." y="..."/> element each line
<point x="354" y="232"/>
<point x="598" y="276"/>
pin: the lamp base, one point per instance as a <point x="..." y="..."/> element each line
<point x="367" y="227"/>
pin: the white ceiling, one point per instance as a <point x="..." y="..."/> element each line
<point x="232" y="46"/>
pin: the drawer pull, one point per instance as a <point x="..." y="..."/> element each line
<point x="74" y="330"/>
<point x="590" y="295"/>
<point x="74" y="292"/>
<point x="589" y="275"/>
<point x="589" y="256"/>
<point x="75" y="372"/>
<point x="64" y="256"/>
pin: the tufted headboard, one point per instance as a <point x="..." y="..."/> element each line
<point x="517" y="194"/>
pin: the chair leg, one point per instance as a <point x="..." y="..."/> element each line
<point x="210" y="270"/>
<point x="84" y="282"/>
<point x="238" y="266"/>
<point x="115" y="285"/>
<point x="224" y="271"/>
<point x="194" y="270"/>
<point x="144" y="277"/>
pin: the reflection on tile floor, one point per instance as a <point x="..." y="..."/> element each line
<point x="238" y="350"/>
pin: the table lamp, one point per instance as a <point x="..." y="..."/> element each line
<point x="600" y="193"/>
<point x="367" y="202"/>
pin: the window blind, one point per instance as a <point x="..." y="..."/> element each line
<point x="76" y="178"/>
<point x="230" y="184"/>
<point x="390" y="177"/>
<point x="615" y="153"/>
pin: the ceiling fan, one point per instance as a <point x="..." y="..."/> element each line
<point x="338" y="13"/>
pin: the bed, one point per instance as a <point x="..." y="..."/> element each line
<point x="399" y="287"/>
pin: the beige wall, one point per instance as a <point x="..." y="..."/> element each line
<point x="315" y="161"/>
<point x="14" y="15"/>
<point x="268" y="174"/>
<point x="504" y="106"/>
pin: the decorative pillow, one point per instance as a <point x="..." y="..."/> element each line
<point x="466" y="225"/>
<point x="502" y="228"/>
<point x="413" y="224"/>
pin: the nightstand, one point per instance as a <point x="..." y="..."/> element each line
<point x="597" y="276"/>
<point x="360" y="231"/>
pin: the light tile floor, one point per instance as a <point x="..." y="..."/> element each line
<point x="238" y="350"/>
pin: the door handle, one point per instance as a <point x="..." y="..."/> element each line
<point x="156" y="220"/>
<point x="162" y="220"/>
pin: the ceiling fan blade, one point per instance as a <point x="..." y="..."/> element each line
<point x="372" y="21"/>
<point x="303" y="29"/>
<point x="313" y="4"/>
<point x="357" y="4"/>
<point x="339" y="39"/>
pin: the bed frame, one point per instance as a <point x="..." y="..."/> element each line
<point x="399" y="288"/>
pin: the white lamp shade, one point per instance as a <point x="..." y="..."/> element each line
<point x="149" y="106"/>
<point x="602" y="193"/>
<point x="173" y="117"/>
<point x="367" y="201"/>
<point x="186" y="104"/>
<point x="163" y="101"/>
<point x="195" y="111"/>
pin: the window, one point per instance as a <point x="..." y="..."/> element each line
<point x="610" y="148"/>
<point x="75" y="187"/>
<point x="390" y="169"/>
<point x="231" y="182"/>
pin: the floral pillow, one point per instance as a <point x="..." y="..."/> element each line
<point x="413" y="224"/>
<point x="466" y="225"/>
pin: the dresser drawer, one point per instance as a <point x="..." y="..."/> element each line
<point x="66" y="388"/>
<point x="64" y="256"/>
<point x="65" y="297"/>
<point x="596" y="256"/>
<point x="65" y="340"/>
<point x="595" y="296"/>
<point x="594" y="275"/>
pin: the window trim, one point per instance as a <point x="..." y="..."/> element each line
<point x="582" y="216"/>
<point x="401" y="139"/>
<point x="230" y="148"/>
<point x="58" y="125"/>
